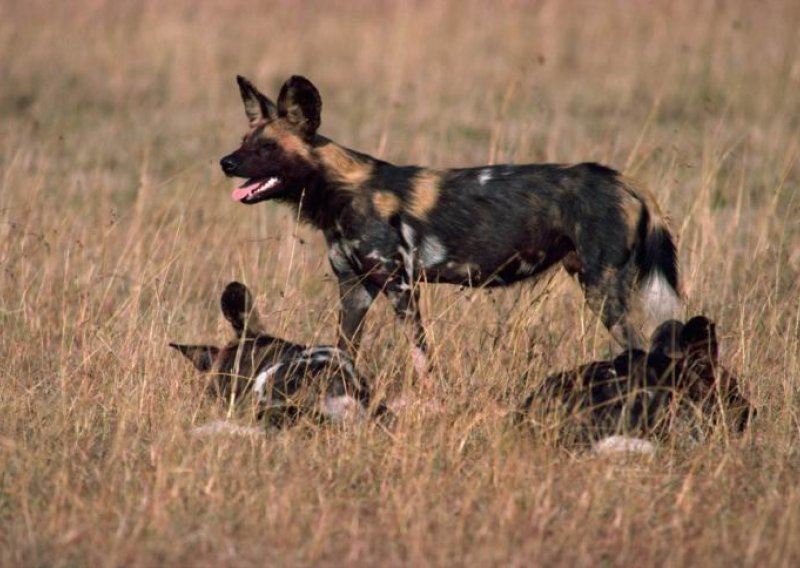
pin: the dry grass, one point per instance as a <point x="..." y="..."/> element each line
<point x="117" y="236"/>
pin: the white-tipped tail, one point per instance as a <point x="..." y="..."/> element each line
<point x="659" y="299"/>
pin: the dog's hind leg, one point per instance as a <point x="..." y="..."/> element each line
<point x="608" y="293"/>
<point x="405" y="301"/>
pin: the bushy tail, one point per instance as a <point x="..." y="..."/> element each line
<point x="656" y="261"/>
<point x="656" y="253"/>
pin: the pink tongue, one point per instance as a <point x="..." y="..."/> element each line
<point x="241" y="192"/>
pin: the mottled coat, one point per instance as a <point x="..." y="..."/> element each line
<point x="677" y="387"/>
<point x="390" y="227"/>
<point x="283" y="380"/>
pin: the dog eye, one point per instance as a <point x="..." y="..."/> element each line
<point x="266" y="147"/>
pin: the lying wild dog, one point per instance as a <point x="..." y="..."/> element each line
<point x="389" y="227"/>
<point x="677" y="388"/>
<point x="284" y="380"/>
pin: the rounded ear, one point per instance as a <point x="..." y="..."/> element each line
<point x="201" y="356"/>
<point x="699" y="338"/>
<point x="257" y="106"/>
<point x="300" y="104"/>
<point x="237" y="307"/>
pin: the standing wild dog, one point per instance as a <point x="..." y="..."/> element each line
<point x="388" y="227"/>
<point x="283" y="379"/>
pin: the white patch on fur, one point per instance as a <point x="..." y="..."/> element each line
<point x="659" y="299"/>
<point x="359" y="298"/>
<point x="260" y="387"/>
<point x="526" y="268"/>
<point x="432" y="251"/>
<point x="349" y="248"/>
<point x="326" y="354"/>
<point x="406" y="250"/>
<point x="485" y="176"/>
<point x="623" y="445"/>
<point x="323" y="354"/>
<point x="341" y="408"/>
<point x="326" y="351"/>
<point x="376" y="255"/>
<point x="408" y="234"/>
<point x="223" y="427"/>
<point x="337" y="257"/>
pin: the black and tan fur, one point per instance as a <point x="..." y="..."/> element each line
<point x="389" y="227"/>
<point x="678" y="388"/>
<point x="282" y="379"/>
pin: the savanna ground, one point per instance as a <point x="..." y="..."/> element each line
<point x="118" y="235"/>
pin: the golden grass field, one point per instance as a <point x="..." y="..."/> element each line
<point x="117" y="235"/>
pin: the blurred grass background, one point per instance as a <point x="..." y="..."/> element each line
<point x="117" y="235"/>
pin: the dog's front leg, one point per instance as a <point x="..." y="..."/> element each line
<point x="355" y="297"/>
<point x="356" y="294"/>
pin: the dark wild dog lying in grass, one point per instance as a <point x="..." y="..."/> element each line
<point x="389" y="227"/>
<point x="678" y="388"/>
<point x="284" y="380"/>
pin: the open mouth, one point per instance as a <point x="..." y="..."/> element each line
<point x="255" y="188"/>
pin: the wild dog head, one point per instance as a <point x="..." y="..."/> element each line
<point x="685" y="359"/>
<point x="230" y="368"/>
<point x="284" y="379"/>
<point x="276" y="154"/>
<point x="695" y="348"/>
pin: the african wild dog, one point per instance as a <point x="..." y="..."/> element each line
<point x="285" y="379"/>
<point x="678" y="387"/>
<point x="388" y="227"/>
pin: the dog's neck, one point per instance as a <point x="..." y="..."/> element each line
<point x="337" y="186"/>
